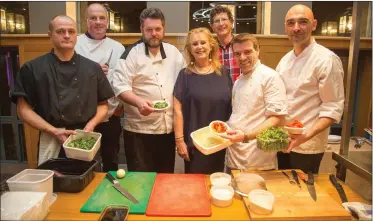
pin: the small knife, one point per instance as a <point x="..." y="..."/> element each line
<point x="339" y="188"/>
<point x="295" y="177"/>
<point x="120" y="189"/>
<point x="108" y="61"/>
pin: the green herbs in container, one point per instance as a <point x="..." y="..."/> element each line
<point x="161" y="105"/>
<point x="272" y="140"/>
<point x="83" y="143"/>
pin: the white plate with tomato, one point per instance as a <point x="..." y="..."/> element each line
<point x="296" y="127"/>
<point x="218" y="127"/>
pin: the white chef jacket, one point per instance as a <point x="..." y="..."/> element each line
<point x="314" y="88"/>
<point x="152" y="78"/>
<point x="100" y="51"/>
<point x="256" y="97"/>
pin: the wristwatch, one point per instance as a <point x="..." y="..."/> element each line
<point x="245" y="139"/>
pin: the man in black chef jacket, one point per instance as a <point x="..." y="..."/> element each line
<point x="61" y="91"/>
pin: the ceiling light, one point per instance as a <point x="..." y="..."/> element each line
<point x="254" y="7"/>
<point x="239" y="6"/>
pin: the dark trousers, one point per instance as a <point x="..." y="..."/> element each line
<point x="204" y="164"/>
<point x="109" y="149"/>
<point x="304" y="162"/>
<point x="149" y="152"/>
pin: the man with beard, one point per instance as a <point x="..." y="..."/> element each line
<point x="259" y="102"/>
<point x="95" y="45"/>
<point x="61" y="91"/>
<point x="147" y="72"/>
<point x="313" y="76"/>
<point x="221" y="22"/>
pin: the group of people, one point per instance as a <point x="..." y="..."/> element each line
<point x="90" y="81"/>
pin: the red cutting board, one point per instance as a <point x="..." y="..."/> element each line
<point x="179" y="195"/>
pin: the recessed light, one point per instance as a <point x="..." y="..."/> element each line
<point x="254" y="7"/>
<point x="238" y="23"/>
<point x="239" y="6"/>
<point x="247" y="23"/>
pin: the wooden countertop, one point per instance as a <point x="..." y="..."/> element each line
<point x="67" y="206"/>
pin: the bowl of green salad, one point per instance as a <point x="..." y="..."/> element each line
<point x="160" y="105"/>
<point x="273" y="139"/>
<point x="82" y="145"/>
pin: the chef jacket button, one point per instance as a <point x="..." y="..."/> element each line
<point x="75" y="79"/>
<point x="77" y="96"/>
<point x="161" y="85"/>
<point x="80" y="114"/>
<point x="62" y="116"/>
<point x="156" y="73"/>
<point x="73" y="62"/>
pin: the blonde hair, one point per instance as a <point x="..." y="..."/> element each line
<point x="214" y="53"/>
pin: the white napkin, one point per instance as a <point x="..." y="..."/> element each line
<point x="363" y="211"/>
<point x="49" y="147"/>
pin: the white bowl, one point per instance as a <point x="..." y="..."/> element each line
<point x="294" y="130"/>
<point x="208" y="143"/>
<point x="221" y="196"/>
<point x="261" y="201"/>
<point x="161" y="109"/>
<point x="220" y="179"/>
<point x="221" y="122"/>
<point x="80" y="154"/>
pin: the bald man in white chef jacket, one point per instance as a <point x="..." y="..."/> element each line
<point x="313" y="77"/>
<point x="95" y="45"/>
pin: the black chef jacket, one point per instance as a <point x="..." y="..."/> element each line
<point x="64" y="93"/>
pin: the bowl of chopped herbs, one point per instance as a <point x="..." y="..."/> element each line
<point x="82" y="145"/>
<point x="272" y="140"/>
<point x="160" y="105"/>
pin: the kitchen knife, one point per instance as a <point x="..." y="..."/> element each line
<point x="295" y="177"/>
<point x="310" y="184"/>
<point x="339" y="188"/>
<point x="341" y="193"/>
<point x="108" y="61"/>
<point x="291" y="181"/>
<point x="120" y="189"/>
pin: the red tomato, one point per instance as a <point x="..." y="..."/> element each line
<point x="219" y="127"/>
<point x="296" y="123"/>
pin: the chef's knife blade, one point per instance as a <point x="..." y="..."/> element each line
<point x="295" y="177"/>
<point x="108" y="60"/>
<point x="339" y="188"/>
<point x="311" y="186"/>
<point x="120" y="189"/>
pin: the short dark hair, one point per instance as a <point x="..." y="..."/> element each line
<point x="154" y="13"/>
<point x="220" y="9"/>
<point x="243" y="37"/>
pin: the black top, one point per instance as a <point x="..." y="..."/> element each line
<point x="204" y="98"/>
<point x="64" y="93"/>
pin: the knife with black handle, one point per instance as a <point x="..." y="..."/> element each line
<point x="120" y="189"/>
<point x="295" y="176"/>
<point x="339" y="188"/>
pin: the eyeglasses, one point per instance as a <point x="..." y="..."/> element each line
<point x="217" y="21"/>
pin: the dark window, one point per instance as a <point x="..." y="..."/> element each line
<point x="14" y="17"/>
<point x="244" y="15"/>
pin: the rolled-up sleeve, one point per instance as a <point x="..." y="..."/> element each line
<point x="123" y="75"/>
<point x="275" y="96"/>
<point x="331" y="88"/>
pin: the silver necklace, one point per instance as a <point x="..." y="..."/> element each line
<point x="200" y="72"/>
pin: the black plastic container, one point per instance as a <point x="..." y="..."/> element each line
<point x="72" y="176"/>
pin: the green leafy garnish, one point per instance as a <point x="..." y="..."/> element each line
<point x="83" y="143"/>
<point x="160" y="105"/>
<point x="272" y="139"/>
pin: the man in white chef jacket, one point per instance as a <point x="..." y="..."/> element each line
<point x="259" y="102"/>
<point x="313" y="76"/>
<point x="96" y="46"/>
<point x="146" y="72"/>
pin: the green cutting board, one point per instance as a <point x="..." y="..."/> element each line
<point x="139" y="184"/>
